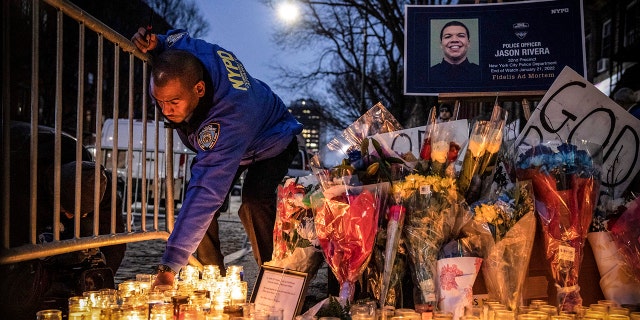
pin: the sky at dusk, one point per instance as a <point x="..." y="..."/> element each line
<point x="246" y="28"/>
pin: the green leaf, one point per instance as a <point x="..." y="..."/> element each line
<point x="394" y="160"/>
<point x="376" y="145"/>
<point x="364" y="147"/>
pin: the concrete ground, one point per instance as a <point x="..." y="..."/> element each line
<point x="143" y="257"/>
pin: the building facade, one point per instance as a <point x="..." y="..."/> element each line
<point x="308" y="112"/>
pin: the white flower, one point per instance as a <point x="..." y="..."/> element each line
<point x="306" y="229"/>
<point x="439" y="151"/>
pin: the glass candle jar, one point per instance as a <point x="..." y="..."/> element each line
<point x="49" y="314"/>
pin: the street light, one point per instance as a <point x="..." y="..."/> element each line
<point x="288" y="12"/>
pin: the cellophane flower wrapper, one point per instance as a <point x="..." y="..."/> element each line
<point x="441" y="146"/>
<point x="388" y="263"/>
<point x="388" y="267"/>
<point x="346" y="225"/>
<point x="347" y="144"/>
<point x="625" y="232"/>
<point x="481" y="155"/>
<point x="616" y="276"/>
<point x="295" y="243"/>
<point x="433" y="209"/>
<point x="347" y="220"/>
<point x="565" y="180"/>
<point x="511" y="222"/>
<point x="617" y="279"/>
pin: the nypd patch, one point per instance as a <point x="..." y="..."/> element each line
<point x="208" y="136"/>
<point x="172" y="39"/>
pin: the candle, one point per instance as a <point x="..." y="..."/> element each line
<point x="239" y="293"/>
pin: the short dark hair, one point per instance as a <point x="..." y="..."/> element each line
<point x="454" y="23"/>
<point x="177" y="64"/>
<point x="445" y="107"/>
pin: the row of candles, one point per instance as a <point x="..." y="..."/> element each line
<point x="195" y="295"/>
<point x="206" y="295"/>
<point x="541" y="310"/>
<point x="493" y="310"/>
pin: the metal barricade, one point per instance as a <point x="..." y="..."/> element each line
<point x="138" y="207"/>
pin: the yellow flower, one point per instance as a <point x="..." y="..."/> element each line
<point x="477" y="145"/>
<point x="486" y="213"/>
<point x="494" y="141"/>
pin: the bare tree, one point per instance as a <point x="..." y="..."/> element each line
<point x="360" y="46"/>
<point x="183" y="14"/>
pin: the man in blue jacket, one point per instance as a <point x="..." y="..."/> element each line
<point x="234" y="123"/>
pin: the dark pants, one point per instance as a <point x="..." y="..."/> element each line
<point x="257" y="211"/>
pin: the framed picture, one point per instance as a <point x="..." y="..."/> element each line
<point x="281" y="289"/>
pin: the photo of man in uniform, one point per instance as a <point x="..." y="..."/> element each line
<point x="455" y="44"/>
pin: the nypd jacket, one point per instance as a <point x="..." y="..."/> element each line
<point x="238" y="121"/>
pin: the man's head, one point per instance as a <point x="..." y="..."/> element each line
<point x="445" y="112"/>
<point x="454" y="41"/>
<point x="87" y="185"/>
<point x="177" y="84"/>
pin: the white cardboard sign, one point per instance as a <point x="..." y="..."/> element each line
<point x="574" y="110"/>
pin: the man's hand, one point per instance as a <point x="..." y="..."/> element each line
<point x="164" y="278"/>
<point x="144" y="40"/>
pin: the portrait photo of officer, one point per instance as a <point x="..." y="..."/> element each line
<point x="454" y="55"/>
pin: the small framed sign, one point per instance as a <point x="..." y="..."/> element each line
<point x="280" y="288"/>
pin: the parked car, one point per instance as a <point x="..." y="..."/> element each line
<point x="181" y="161"/>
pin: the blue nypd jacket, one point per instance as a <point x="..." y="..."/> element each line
<point x="238" y="121"/>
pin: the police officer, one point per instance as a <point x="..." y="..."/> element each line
<point x="234" y="123"/>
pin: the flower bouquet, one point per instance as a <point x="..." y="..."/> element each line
<point x="433" y="205"/>
<point x="295" y="243"/>
<point x="388" y="266"/>
<point x="350" y="178"/>
<point x="512" y="223"/>
<point x="565" y="183"/>
<point x="346" y="226"/>
<point x="616" y="264"/>
<point x="481" y="154"/>
<point x="441" y="146"/>
<point x="626" y="235"/>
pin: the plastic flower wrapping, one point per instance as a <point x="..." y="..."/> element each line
<point x="458" y="265"/>
<point x="511" y="221"/>
<point x="616" y="247"/>
<point x="388" y="263"/>
<point x="565" y="180"/>
<point x="626" y="236"/>
<point x="349" y="171"/>
<point x="441" y="146"/>
<point x="615" y="241"/>
<point x="295" y="243"/>
<point x="433" y="209"/>
<point x="481" y="154"/>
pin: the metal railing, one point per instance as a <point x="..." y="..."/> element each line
<point x="136" y="229"/>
